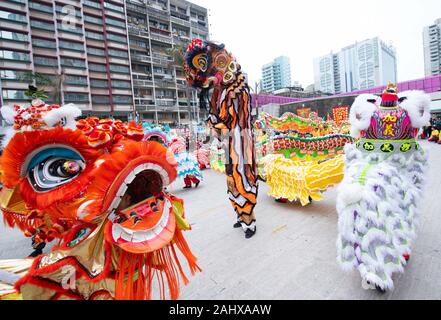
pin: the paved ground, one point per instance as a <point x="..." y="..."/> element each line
<point x="293" y="253"/>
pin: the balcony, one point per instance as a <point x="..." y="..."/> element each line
<point x="199" y="26"/>
<point x="179" y="15"/>
<point x="164" y="15"/>
<point x="136" y="31"/>
<point x="142" y="83"/>
<point x="162" y="102"/>
<point x="136" y="8"/>
<point x="141" y="58"/>
<point x="165" y="84"/>
<point x="180" y="21"/>
<point x="161" y="38"/>
<point x="164" y="62"/>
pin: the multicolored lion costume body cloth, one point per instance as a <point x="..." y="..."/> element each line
<point x="209" y="66"/>
<point x="99" y="190"/>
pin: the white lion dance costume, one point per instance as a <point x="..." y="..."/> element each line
<point x="379" y="198"/>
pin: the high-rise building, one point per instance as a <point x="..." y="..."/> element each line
<point x="362" y="65"/>
<point x="276" y="75"/>
<point x="110" y="57"/>
<point x="432" y="49"/>
<point x="155" y="27"/>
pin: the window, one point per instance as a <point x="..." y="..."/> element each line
<point x="95" y="51"/>
<point x="13" y="94"/>
<point x="76" y="97"/>
<point x="92" y="4"/>
<point x="116" y="38"/>
<point x="119" y="69"/>
<point x="74" y="63"/>
<point x="71" y="45"/>
<point x="40" y="7"/>
<point x="97" y="67"/>
<point x="67" y="10"/>
<point x="7" y="35"/>
<point x="42" y="25"/>
<point x="12" y="75"/>
<point x="113" y="7"/>
<point x="43" y="43"/>
<point x="99" y="83"/>
<point x="94" y="20"/>
<point x="75" y="80"/>
<point x="118" y="53"/>
<point x="69" y="28"/>
<point x="12" y="55"/>
<point x="120" y="84"/>
<point x="100" y="99"/>
<point x="45" y="61"/>
<point x="115" y="23"/>
<point x="122" y="99"/>
<point x="94" y="35"/>
<point x="13" y="16"/>
<point x="139" y="43"/>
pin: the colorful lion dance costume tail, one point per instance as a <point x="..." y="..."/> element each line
<point x="209" y="66"/>
<point x="99" y="190"/>
<point x="379" y="199"/>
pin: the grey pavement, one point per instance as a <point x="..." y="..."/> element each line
<point x="293" y="254"/>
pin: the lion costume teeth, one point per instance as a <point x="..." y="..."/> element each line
<point x="97" y="188"/>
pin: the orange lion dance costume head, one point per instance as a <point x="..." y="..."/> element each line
<point x="98" y="189"/>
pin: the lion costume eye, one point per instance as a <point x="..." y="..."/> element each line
<point x="51" y="168"/>
<point x="200" y="62"/>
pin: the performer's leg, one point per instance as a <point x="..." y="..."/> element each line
<point x="243" y="205"/>
<point x="187" y="182"/>
<point x="195" y="180"/>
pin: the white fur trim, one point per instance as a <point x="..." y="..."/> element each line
<point x="8" y="114"/>
<point x="417" y="106"/>
<point x="361" y="113"/>
<point x="8" y="132"/>
<point x="69" y="112"/>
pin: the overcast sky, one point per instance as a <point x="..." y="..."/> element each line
<point x="257" y="31"/>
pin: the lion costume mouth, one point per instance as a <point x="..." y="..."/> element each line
<point x="148" y="223"/>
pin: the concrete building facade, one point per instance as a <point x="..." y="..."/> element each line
<point x="432" y="49"/>
<point x="362" y="65"/>
<point x="110" y="57"/>
<point x="276" y="75"/>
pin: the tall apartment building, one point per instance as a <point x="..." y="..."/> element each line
<point x="362" y="65"/>
<point x="81" y="46"/>
<point x="109" y="57"/>
<point x="276" y="75"/>
<point x="159" y="85"/>
<point x="432" y="49"/>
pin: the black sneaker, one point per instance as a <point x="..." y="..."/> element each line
<point x="382" y="291"/>
<point x="237" y="225"/>
<point x="250" y="233"/>
<point x="187" y="187"/>
<point x="197" y="184"/>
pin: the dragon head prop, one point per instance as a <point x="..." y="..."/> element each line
<point x="76" y="180"/>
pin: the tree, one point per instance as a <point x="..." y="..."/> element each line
<point x="54" y="84"/>
<point x="35" y="93"/>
